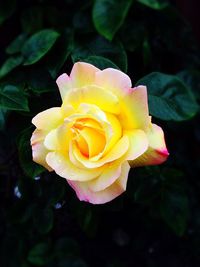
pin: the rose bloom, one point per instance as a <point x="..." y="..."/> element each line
<point x="102" y="129"/>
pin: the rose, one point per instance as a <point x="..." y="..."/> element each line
<point x="102" y="128"/>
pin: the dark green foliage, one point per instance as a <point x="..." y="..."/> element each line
<point x="169" y="97"/>
<point x="157" y="221"/>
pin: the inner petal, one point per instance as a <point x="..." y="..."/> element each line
<point x="94" y="140"/>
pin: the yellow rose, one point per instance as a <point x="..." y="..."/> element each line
<point x="102" y="128"/>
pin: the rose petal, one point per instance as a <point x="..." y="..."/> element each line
<point x="138" y="143"/>
<point x="62" y="165"/>
<point x="120" y="148"/>
<point x="64" y="84"/>
<point x="92" y="94"/>
<point x="157" y="151"/>
<point x="48" y="119"/>
<point x="84" y="193"/>
<point x="133" y="101"/>
<point x="108" y="177"/>
<point x="39" y="151"/>
<point x="83" y="74"/>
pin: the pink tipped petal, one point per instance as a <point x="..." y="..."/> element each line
<point x="108" y="177"/>
<point x="138" y="143"/>
<point x="48" y="119"/>
<point x="62" y="165"/>
<point x="113" y="80"/>
<point x="157" y="151"/>
<point x="39" y="151"/>
<point x="82" y="74"/>
<point x="133" y="101"/>
<point x="64" y="84"/>
<point x="134" y="105"/>
<point x="84" y="193"/>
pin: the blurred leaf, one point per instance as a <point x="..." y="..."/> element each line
<point x="192" y="79"/>
<point x="7" y="8"/>
<point x="100" y="62"/>
<point x="147" y="56"/>
<point x="169" y="98"/>
<point x="56" y="60"/>
<point x="39" y="255"/>
<point x="16" y="45"/>
<point x="43" y="220"/>
<point x="109" y="15"/>
<point x="3" y="113"/>
<point x="10" y="64"/>
<point x="12" y="98"/>
<point x="101" y="47"/>
<point x="30" y="168"/>
<point x="146" y="185"/>
<point x="174" y="209"/>
<point x="38" y="45"/>
<point x="32" y="19"/>
<point x="39" y="80"/>
<point x="154" y="4"/>
<point x="66" y="248"/>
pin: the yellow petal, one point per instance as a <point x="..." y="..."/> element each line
<point x="39" y="151"/>
<point x="84" y="193"/>
<point x="138" y="143"/>
<point x="62" y="165"/>
<point x="134" y="112"/>
<point x="120" y="148"/>
<point x="64" y="84"/>
<point x="157" y="151"/>
<point x="82" y="74"/>
<point x="92" y="94"/>
<point x="110" y="174"/>
<point x="48" y="119"/>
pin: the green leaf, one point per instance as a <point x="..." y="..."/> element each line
<point x="38" y="45"/>
<point x="99" y="46"/>
<point x="100" y="62"/>
<point x="109" y="15"/>
<point x="16" y="45"/>
<point x="7" y="8"/>
<point x="3" y="113"/>
<point x="64" y="46"/>
<point x="39" y="255"/>
<point x="169" y="98"/>
<point x="29" y="167"/>
<point x="10" y="64"/>
<point x="192" y="79"/>
<point x="154" y="4"/>
<point x="13" y="98"/>
<point x="32" y="19"/>
<point x="174" y="209"/>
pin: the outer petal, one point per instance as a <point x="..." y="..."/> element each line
<point x="92" y="94"/>
<point x="134" y="106"/>
<point x="62" y="165"/>
<point x="84" y="193"/>
<point x="82" y="74"/>
<point x="48" y="119"/>
<point x="113" y="80"/>
<point x="157" y="151"/>
<point x="39" y="151"/>
<point x="108" y="177"/>
<point x="138" y="143"/>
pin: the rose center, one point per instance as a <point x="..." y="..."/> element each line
<point x="90" y="137"/>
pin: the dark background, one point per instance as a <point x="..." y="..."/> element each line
<point x="156" y="222"/>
